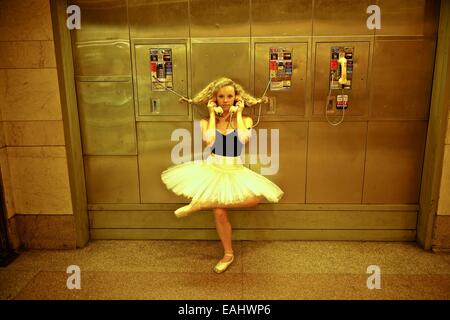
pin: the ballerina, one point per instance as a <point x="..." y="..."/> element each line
<point x="221" y="181"/>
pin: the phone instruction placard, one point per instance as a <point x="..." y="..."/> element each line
<point x="280" y="68"/>
<point x="161" y="70"/>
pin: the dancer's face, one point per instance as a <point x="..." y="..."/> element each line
<point x="225" y="97"/>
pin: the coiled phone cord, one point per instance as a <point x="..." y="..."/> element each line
<point x="328" y="101"/>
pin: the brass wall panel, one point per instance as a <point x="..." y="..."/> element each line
<point x="102" y="58"/>
<point x="291" y="102"/>
<point x="107" y="121"/>
<point x="220" y="18"/>
<point x="155" y="146"/>
<point x="214" y="60"/>
<point x="291" y="175"/>
<point x="281" y="18"/>
<point x="158" y="19"/>
<point x="252" y="219"/>
<point x="169" y="105"/>
<point x="101" y="46"/>
<point x="341" y="18"/>
<point x="259" y="234"/>
<point x="112" y="179"/>
<point x="395" y="151"/>
<point x="335" y="162"/>
<point x="408" y="17"/>
<point x="358" y="97"/>
<point x="402" y="79"/>
<point x="101" y="20"/>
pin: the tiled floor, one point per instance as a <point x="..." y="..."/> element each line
<point x="157" y="269"/>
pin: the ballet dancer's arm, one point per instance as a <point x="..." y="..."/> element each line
<point x="209" y="126"/>
<point x="243" y="124"/>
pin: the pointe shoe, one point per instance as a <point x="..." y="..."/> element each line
<point x="183" y="211"/>
<point x="221" y="266"/>
<point x="188" y="209"/>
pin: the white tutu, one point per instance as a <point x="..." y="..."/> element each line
<point x="219" y="179"/>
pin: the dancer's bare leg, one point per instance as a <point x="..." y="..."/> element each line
<point x="192" y="207"/>
<point x="250" y="202"/>
<point x="223" y="227"/>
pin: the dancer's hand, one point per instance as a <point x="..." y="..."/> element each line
<point x="240" y="104"/>
<point x="212" y="107"/>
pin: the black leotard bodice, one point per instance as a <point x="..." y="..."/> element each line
<point x="227" y="144"/>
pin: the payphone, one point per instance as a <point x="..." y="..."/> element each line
<point x="340" y="78"/>
<point x="161" y="68"/>
<point x="280" y="68"/>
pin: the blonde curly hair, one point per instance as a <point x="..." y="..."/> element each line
<point x="211" y="90"/>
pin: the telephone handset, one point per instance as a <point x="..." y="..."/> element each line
<point x="341" y="68"/>
<point x="343" y="63"/>
<point x="233" y="109"/>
